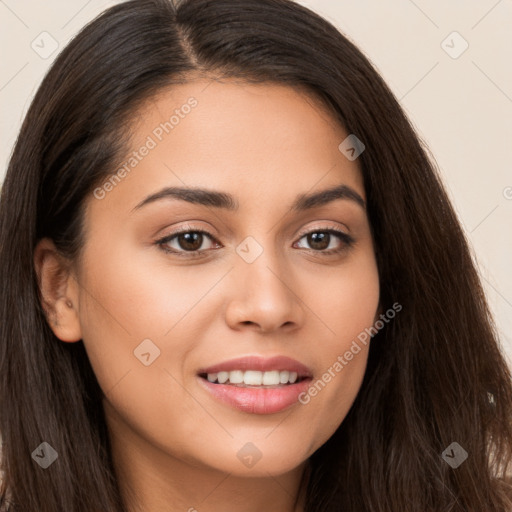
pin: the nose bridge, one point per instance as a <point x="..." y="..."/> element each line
<point x="265" y="295"/>
<point x="260" y="261"/>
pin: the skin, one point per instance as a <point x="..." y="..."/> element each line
<point x="173" y="443"/>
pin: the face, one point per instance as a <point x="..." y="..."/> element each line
<point x="261" y="289"/>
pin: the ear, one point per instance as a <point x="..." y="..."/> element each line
<point x="59" y="291"/>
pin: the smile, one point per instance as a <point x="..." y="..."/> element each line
<point x="254" y="378"/>
<point x="255" y="384"/>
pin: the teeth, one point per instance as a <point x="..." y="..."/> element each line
<point x="236" y="377"/>
<point x="254" y="377"/>
<point x="222" y="377"/>
<point x="271" y="378"/>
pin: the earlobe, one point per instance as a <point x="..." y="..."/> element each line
<point x="58" y="291"/>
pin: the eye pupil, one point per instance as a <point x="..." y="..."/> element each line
<point x="190" y="241"/>
<point x="317" y="240"/>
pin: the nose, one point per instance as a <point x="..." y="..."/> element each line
<point x="264" y="296"/>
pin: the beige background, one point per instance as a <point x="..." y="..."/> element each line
<point x="459" y="101"/>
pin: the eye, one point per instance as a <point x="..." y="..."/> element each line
<point x="186" y="242"/>
<point x="324" y="240"/>
<point x="190" y="242"/>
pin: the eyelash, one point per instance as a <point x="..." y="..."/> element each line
<point x="347" y="242"/>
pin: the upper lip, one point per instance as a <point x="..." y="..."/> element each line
<point x="258" y="363"/>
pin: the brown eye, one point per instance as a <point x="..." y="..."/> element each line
<point x="183" y="242"/>
<point x="190" y="241"/>
<point x="319" y="240"/>
<point x="325" y="240"/>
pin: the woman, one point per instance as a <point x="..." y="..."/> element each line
<point x="232" y="280"/>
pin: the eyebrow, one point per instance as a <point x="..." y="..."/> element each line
<point x="216" y="199"/>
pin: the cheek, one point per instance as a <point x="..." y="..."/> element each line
<point x="125" y="300"/>
<point x="137" y="294"/>
<point x="347" y="306"/>
<point x="344" y="299"/>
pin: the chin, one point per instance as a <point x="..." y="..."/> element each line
<point x="258" y="458"/>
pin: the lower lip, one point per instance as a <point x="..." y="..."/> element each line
<point x="257" y="400"/>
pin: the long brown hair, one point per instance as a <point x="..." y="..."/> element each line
<point x="435" y="374"/>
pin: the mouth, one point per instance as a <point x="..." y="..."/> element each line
<point x="257" y="385"/>
<point x="254" y="378"/>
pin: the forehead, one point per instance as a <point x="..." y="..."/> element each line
<point x="257" y="141"/>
